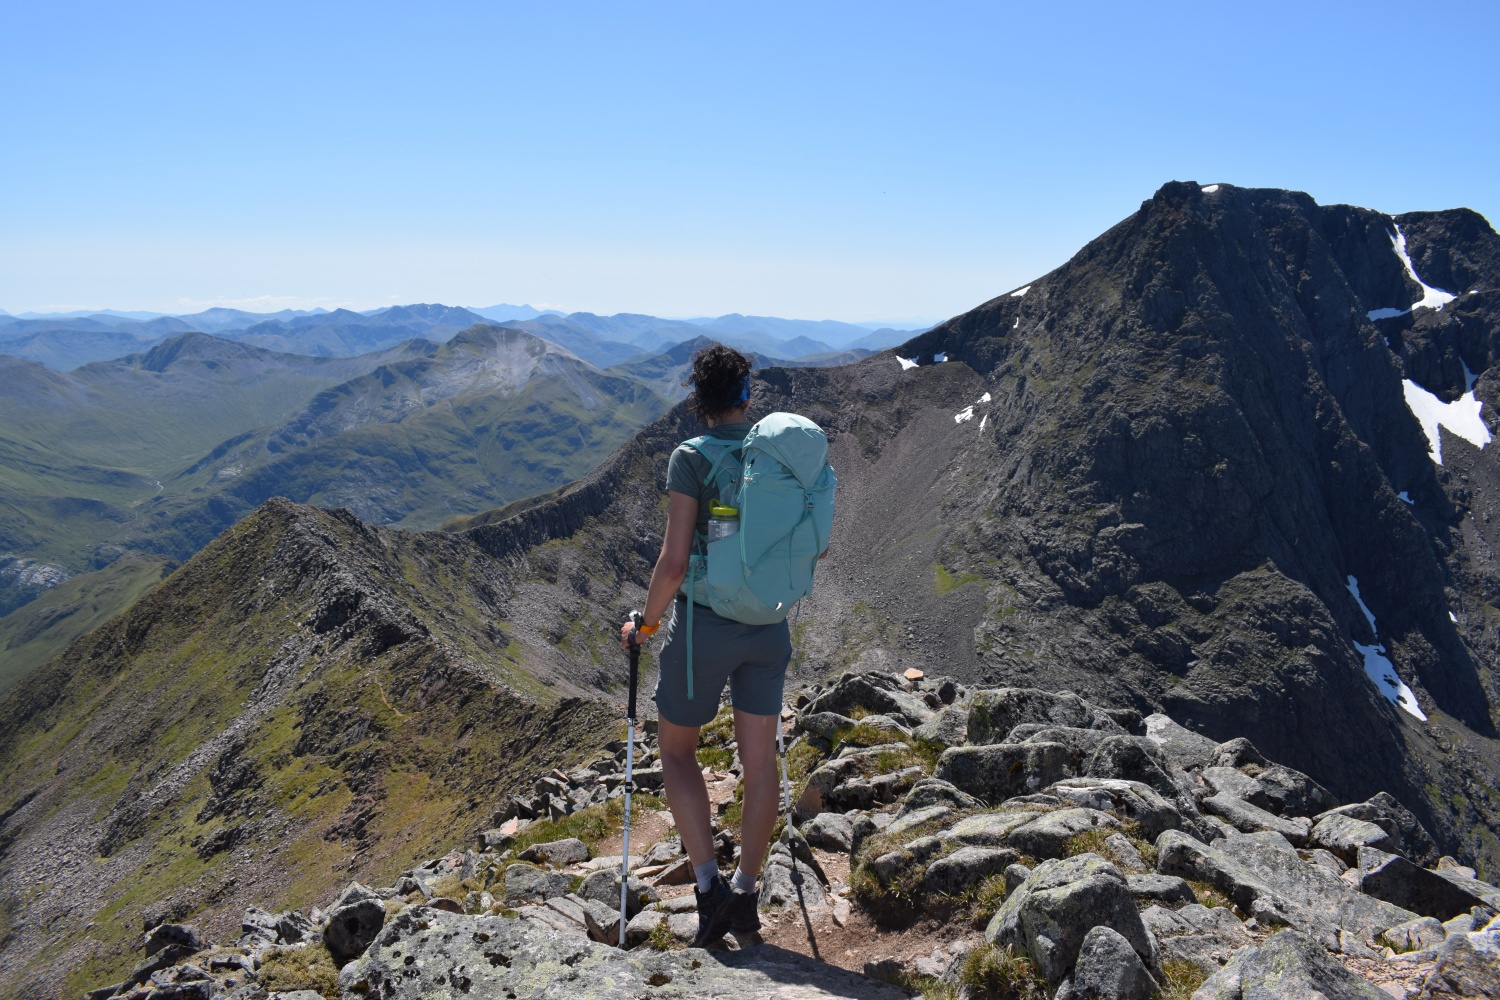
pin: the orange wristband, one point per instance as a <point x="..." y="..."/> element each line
<point x="648" y="629"/>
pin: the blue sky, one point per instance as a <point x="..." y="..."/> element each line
<point x="860" y="161"/>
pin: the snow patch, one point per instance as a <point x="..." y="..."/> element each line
<point x="967" y="413"/>
<point x="985" y="398"/>
<point x="1432" y="298"/>
<point x="984" y="420"/>
<point x="940" y="357"/>
<point x="1461" y="417"/>
<point x="1380" y="670"/>
<point x="1402" y="496"/>
<point x="1453" y="618"/>
<point x="1020" y="292"/>
<point x="1210" y="189"/>
<point x="906" y="363"/>
<point x="1017" y="324"/>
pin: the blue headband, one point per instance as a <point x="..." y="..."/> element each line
<point x="744" y="393"/>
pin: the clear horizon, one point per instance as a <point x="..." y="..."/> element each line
<point x="866" y="163"/>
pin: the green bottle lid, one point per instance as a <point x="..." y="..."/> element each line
<point x="716" y="509"/>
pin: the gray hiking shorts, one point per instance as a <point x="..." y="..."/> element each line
<point x="752" y="658"/>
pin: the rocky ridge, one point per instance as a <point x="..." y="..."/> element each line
<point x="1041" y="845"/>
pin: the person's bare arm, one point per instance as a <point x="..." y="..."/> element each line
<point x="672" y="564"/>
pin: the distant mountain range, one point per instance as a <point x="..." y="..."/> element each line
<point x="63" y="341"/>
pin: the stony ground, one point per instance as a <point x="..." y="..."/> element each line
<point x="946" y="842"/>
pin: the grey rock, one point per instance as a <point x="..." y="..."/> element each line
<point x="1231" y="781"/>
<point x="558" y="853"/>
<point x="935" y="791"/>
<point x="1248" y="818"/>
<point x="178" y="936"/>
<point x="831" y="832"/>
<point x="1468" y="966"/>
<point x="663" y="851"/>
<point x="1134" y="801"/>
<point x="1290" y="793"/>
<point x="994" y="712"/>
<point x="948" y="728"/>
<point x="1048" y="834"/>
<point x="1287" y="964"/>
<point x="996" y="772"/>
<point x="603" y="886"/>
<point x="1268" y="880"/>
<point x="889" y="866"/>
<point x="1204" y="936"/>
<point x="965" y="869"/>
<point x="1414" y="935"/>
<point x="1082" y="742"/>
<point x="1237" y="753"/>
<point x="1327" y="859"/>
<point x="1382" y="809"/>
<point x="1462" y="924"/>
<point x="292" y="995"/>
<point x="824" y="724"/>
<point x="987" y="829"/>
<point x="353" y="921"/>
<point x="1015" y="875"/>
<point x="1160" y="889"/>
<point x="1183" y="747"/>
<point x="911" y="820"/>
<point x="892" y="728"/>
<point x="783" y="884"/>
<point x="864" y="691"/>
<point x="1138" y="758"/>
<point x="1124" y="854"/>
<point x="1108" y="968"/>
<point x="1344" y="835"/>
<point x="1049" y="914"/>
<point x="1396" y="880"/>
<point x="527" y="882"/>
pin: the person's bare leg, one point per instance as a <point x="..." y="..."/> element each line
<point x="687" y="795"/>
<point x="756" y="735"/>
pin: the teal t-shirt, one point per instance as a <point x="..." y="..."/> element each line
<point x="687" y="470"/>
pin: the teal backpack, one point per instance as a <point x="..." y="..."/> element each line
<point x="780" y="480"/>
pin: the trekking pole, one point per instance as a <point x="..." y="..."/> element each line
<point x="636" y="619"/>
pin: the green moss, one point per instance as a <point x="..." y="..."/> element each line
<point x="945" y="581"/>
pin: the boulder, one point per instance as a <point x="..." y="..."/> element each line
<point x="1468" y="966"/>
<point x="933" y="792"/>
<point x="1082" y="742"/>
<point x="1248" y="818"/>
<point x="1414" y="935"/>
<point x="1231" y="781"/>
<point x="864" y="691"/>
<point x="1291" y="793"/>
<point x="831" y="832"/>
<point x="1286" y="964"/>
<point x="1264" y="876"/>
<point x="1382" y="809"/>
<point x="181" y="938"/>
<point x="1183" y="747"/>
<point x="996" y="772"/>
<point x="1048" y="834"/>
<point x="353" y="921"/>
<point x="1015" y="875"/>
<point x="826" y="725"/>
<point x="1396" y="880"/>
<point x="1138" y="758"/>
<point x="965" y="869"/>
<point x="912" y="820"/>
<point x="1108" y="968"/>
<point x="1160" y="889"/>
<point x="603" y="886"/>
<point x="783" y="884"/>
<point x="1237" y="753"/>
<point x="948" y="728"/>
<point x="527" y="882"/>
<point x="1344" y="835"/>
<point x="557" y="853"/>
<point x="1048" y="915"/>
<point x="892" y="864"/>
<point x="987" y="829"/>
<point x="1203" y="936"/>
<point x="1122" y="852"/>
<point x="994" y="712"/>
<point x="1134" y="801"/>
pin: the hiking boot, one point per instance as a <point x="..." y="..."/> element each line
<point x="713" y="911"/>
<point x="744" y="911"/>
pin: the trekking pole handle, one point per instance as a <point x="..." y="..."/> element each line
<point x="637" y="619"/>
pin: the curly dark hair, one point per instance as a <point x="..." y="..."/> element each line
<point x="717" y="381"/>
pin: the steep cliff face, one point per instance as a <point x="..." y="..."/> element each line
<point x="1203" y="449"/>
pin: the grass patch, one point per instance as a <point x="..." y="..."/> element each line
<point x="1180" y="980"/>
<point x="310" y="968"/>
<point x="944" y="581"/>
<point x="988" y="897"/>
<point x="1211" y="897"/>
<point x="718" y="758"/>
<point x="660" y="938"/>
<point x="590" y="825"/>
<point x="930" y="988"/>
<point x="1002" y="974"/>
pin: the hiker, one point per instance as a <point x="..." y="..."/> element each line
<point x="702" y="649"/>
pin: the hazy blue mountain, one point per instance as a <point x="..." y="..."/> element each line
<point x="218" y="319"/>
<point x="343" y="332"/>
<point x="879" y="340"/>
<point x="579" y="333"/>
<point x="832" y="333"/>
<point x="504" y="313"/>
<point x="95" y="313"/>
<point x="65" y="344"/>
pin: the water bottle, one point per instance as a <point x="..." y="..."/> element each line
<point x="722" y="521"/>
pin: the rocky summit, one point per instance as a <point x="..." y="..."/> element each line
<point x="1098" y="854"/>
<point x="1225" y="476"/>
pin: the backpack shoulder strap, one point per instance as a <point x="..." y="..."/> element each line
<point x="715" y="450"/>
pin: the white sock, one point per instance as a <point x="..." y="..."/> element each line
<point x="706" y="873"/>
<point x="743" y="882"/>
